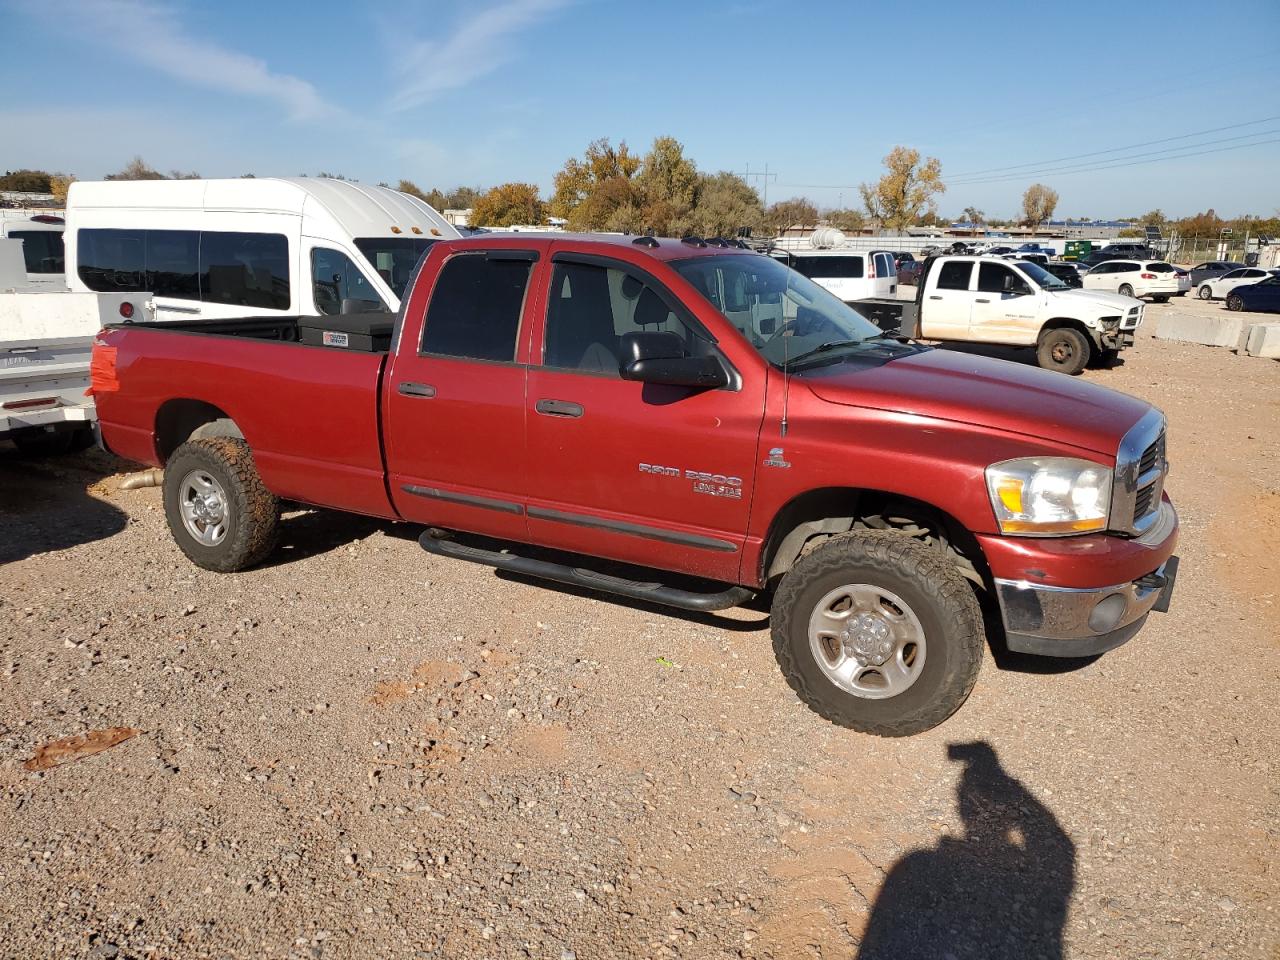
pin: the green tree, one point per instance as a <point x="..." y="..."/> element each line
<point x="907" y="188"/>
<point x="724" y="203"/>
<point x="1038" y="204"/>
<point x="589" y="190"/>
<point x="667" y="182"/>
<point x="26" y="181"/>
<point x="850" y="220"/>
<point x="509" y="204"/>
<point x="798" y="211"/>
<point x="136" y="169"/>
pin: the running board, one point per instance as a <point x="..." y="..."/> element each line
<point x="545" y="570"/>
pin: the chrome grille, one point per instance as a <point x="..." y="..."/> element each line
<point x="1139" y="478"/>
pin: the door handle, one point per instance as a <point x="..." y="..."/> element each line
<point x="558" y="408"/>
<point x="416" y="390"/>
<point x="981" y="300"/>
<point x="935" y="296"/>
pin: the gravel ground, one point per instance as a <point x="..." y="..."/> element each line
<point x="361" y="750"/>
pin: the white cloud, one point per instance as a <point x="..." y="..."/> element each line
<point x="151" y="35"/>
<point x="477" y="46"/>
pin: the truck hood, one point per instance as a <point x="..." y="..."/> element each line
<point x="1106" y="303"/>
<point x="998" y="394"/>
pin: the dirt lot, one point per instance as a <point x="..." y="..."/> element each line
<point x="364" y="751"/>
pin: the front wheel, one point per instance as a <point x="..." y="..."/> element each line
<point x="1064" y="350"/>
<point x="220" y="513"/>
<point x="1206" y="292"/>
<point x="1126" y="290"/>
<point x="877" y="632"/>
<point x="1235" y="303"/>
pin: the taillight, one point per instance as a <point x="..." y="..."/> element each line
<point x="28" y="404"/>
<point x="871" y="270"/>
<point x="102" y="371"/>
<point x="1148" y="276"/>
<point x="126" y="309"/>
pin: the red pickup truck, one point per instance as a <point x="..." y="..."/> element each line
<point x="683" y="406"/>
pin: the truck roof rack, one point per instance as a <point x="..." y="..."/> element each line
<point x="645" y="241"/>
<point x="693" y="241"/>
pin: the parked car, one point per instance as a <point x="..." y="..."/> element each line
<point x="1118" y="251"/>
<point x="665" y="375"/>
<point x="1065" y="271"/>
<point x="1263" y="296"/>
<point x="985" y="300"/>
<point x="909" y="272"/>
<point x="280" y="245"/>
<point x="1210" y="270"/>
<point x="1219" y="287"/>
<point x="850" y="275"/>
<point x="1039" y="259"/>
<point x="1138" y="278"/>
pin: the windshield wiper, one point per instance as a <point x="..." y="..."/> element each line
<point x="824" y="348"/>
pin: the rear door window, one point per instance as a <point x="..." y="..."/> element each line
<point x="475" y="307"/>
<point x="884" y="265"/>
<point x="955" y="275"/>
<point x="245" y="269"/>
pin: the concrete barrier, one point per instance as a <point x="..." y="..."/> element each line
<point x="1224" y="331"/>
<point x="1263" y="340"/>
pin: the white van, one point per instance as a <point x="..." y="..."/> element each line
<point x="41" y="237"/>
<point x="289" y="246"/>
<point x="848" y="274"/>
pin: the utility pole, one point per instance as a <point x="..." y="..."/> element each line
<point x="764" y="179"/>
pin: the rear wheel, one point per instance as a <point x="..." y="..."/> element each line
<point x="1234" y="302"/>
<point x="1126" y="290"/>
<point x="877" y="632"/>
<point x="220" y="513"/>
<point x="1206" y="292"/>
<point x="1063" y="349"/>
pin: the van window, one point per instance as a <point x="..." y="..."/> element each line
<point x="337" y="281"/>
<point x="884" y="265"/>
<point x="394" y="258"/>
<point x="41" y="249"/>
<point x="475" y="308"/>
<point x="828" y="268"/>
<point x="112" y="261"/>
<point x="954" y="275"/>
<point x="173" y="263"/>
<point x="246" y="269"/>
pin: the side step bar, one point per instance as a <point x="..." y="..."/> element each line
<point x="545" y="570"/>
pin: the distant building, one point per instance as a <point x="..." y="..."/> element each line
<point x="459" y="218"/>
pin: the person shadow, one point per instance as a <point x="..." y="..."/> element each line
<point x="999" y="892"/>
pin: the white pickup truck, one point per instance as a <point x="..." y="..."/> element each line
<point x="46" y="338"/>
<point x="1019" y="304"/>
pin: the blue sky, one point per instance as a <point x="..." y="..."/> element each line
<point x="447" y="92"/>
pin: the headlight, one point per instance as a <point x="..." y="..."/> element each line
<point x="1049" y="496"/>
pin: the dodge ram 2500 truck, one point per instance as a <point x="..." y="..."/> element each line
<point x="687" y="407"/>
<point x="1012" y="302"/>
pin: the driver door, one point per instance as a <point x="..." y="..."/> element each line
<point x="659" y="476"/>
<point x="1004" y="308"/>
<point x="338" y="284"/>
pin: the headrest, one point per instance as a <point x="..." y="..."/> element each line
<point x="631" y="287"/>
<point x="651" y="309"/>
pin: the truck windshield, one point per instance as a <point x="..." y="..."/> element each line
<point x="394" y="258"/>
<point x="1041" y="276"/>
<point x="781" y="312"/>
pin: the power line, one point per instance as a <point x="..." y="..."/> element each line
<point x="1071" y="167"/>
<point x="1132" y="146"/>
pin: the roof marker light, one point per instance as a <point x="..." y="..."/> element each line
<point x="395" y="229"/>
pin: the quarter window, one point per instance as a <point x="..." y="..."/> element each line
<point x="955" y="275"/>
<point x="112" y="261"/>
<point x="339" y="286"/>
<point x="592" y="308"/>
<point x="475" y="307"/>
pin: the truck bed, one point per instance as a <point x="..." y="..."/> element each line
<point x="362" y="332"/>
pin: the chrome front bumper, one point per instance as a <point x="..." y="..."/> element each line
<point x="1071" y="622"/>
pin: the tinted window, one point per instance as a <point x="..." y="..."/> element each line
<point x="112" y="260"/>
<point x="828" y="268"/>
<point x="41" y="249"/>
<point x="1233" y="274"/>
<point x="955" y="275"/>
<point x="335" y="280"/>
<point x="1125" y="267"/>
<point x="993" y="278"/>
<point x="592" y="308"/>
<point x="475" y="308"/>
<point x="1159" y="267"/>
<point x="246" y="269"/>
<point x="172" y="268"/>
<point x="884" y="265"/>
<point x="394" y="258"/>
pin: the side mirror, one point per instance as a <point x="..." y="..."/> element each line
<point x="350" y="305"/>
<point x="660" y="358"/>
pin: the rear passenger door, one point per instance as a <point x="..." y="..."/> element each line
<point x="654" y="475"/>
<point x="455" y="403"/>
<point x="948" y="301"/>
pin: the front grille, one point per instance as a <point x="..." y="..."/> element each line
<point x="1139" y="477"/>
<point x="1146" y="498"/>
<point x="1142" y="502"/>
<point x="1152" y="456"/>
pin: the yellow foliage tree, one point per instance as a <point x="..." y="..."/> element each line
<point x="508" y="204"/>
<point x="1038" y="204"/>
<point x="906" y="190"/>
<point x="59" y="184"/>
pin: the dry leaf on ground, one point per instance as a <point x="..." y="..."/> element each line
<point x="83" y="745"/>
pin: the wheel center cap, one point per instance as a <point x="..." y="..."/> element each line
<point x="867" y="639"/>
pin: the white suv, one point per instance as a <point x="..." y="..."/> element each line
<point x="1139" y="278"/>
<point x="1219" y="287"/>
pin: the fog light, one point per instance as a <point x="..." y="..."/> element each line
<point x="1107" y="613"/>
